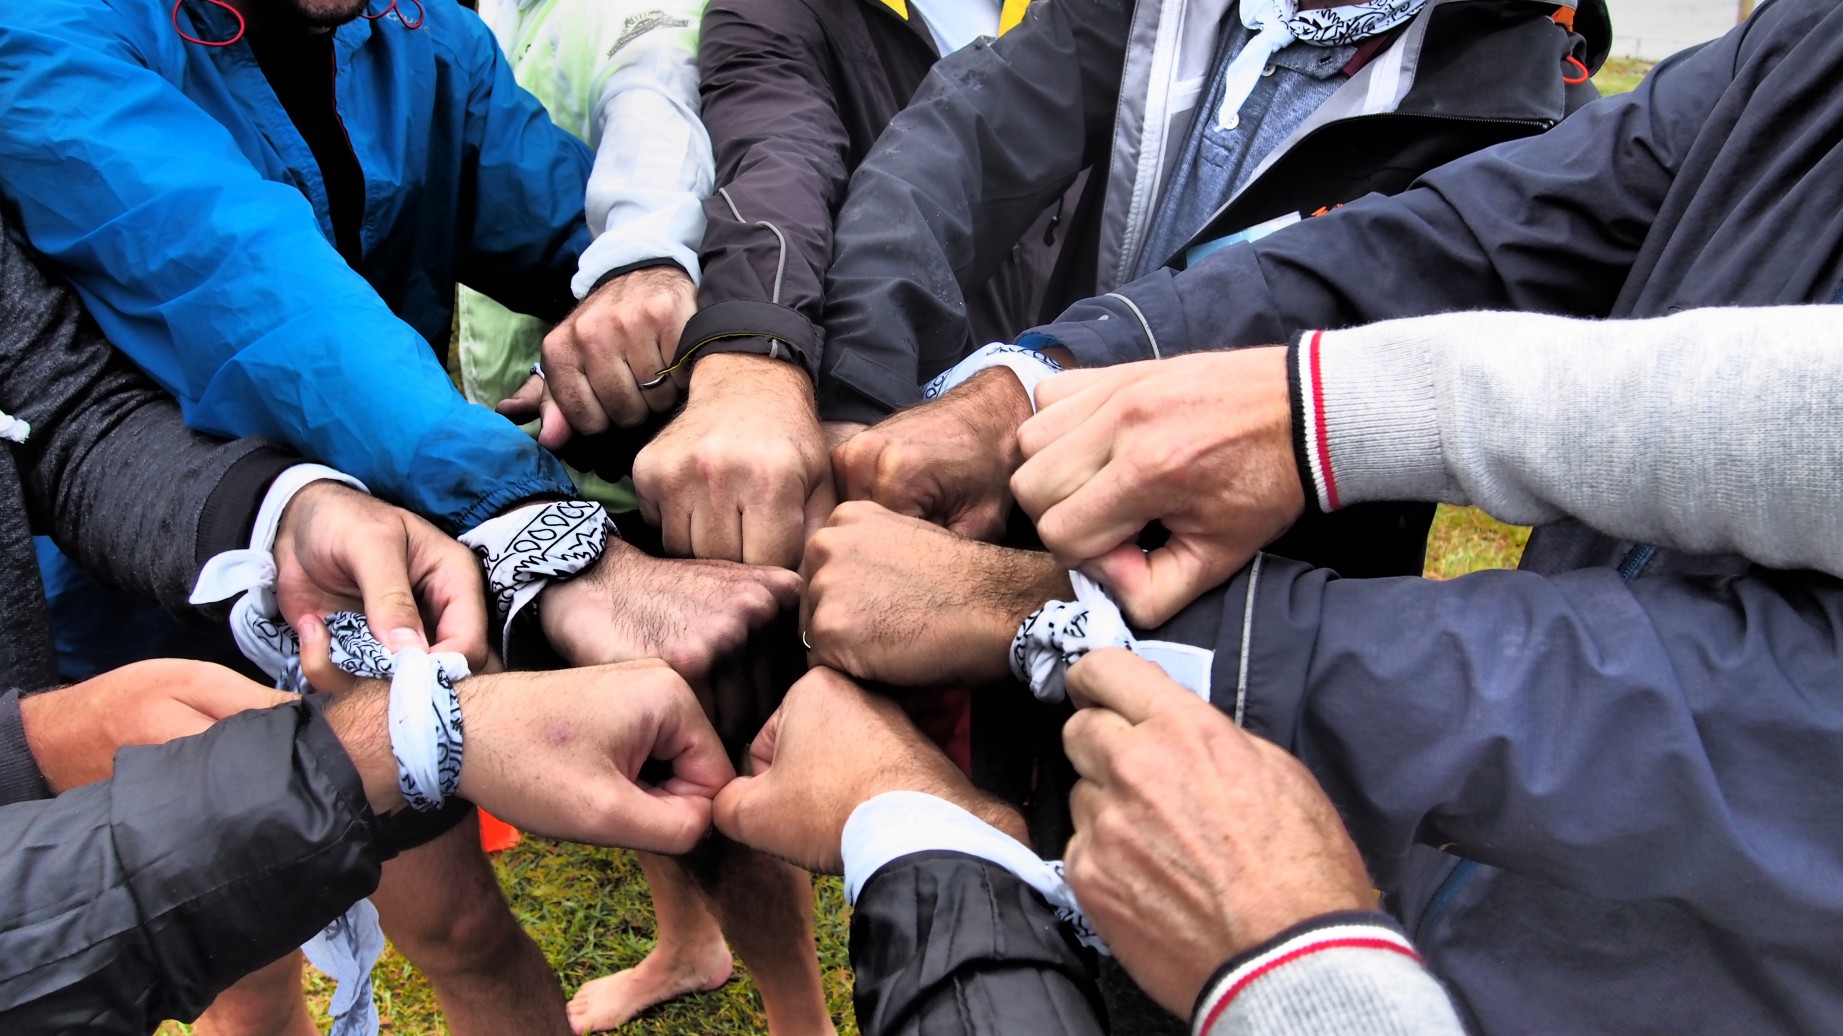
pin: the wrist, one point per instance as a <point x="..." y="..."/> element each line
<point x="723" y="374"/>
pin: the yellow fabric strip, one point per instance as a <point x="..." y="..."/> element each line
<point x="1010" y="14"/>
<point x="901" y="7"/>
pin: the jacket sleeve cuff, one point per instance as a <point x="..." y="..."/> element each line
<point x="230" y="511"/>
<point x="1340" y="973"/>
<point x="896" y="824"/>
<point x="594" y="285"/>
<point x="783" y="326"/>
<point x="20" y="779"/>
<point x="1366" y="415"/>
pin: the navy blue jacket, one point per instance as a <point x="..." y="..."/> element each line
<point x="1603" y="791"/>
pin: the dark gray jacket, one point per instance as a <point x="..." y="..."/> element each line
<point x="109" y="472"/>
<point x="1601" y="791"/>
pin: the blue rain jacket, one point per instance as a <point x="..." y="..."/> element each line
<point x="166" y="181"/>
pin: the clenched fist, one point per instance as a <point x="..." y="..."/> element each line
<point x="742" y="473"/>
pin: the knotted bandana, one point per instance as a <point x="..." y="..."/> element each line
<point x="1278" y="24"/>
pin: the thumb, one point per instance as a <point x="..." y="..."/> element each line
<point x="659" y="821"/>
<point x="1152" y="587"/>
<point x="734" y="809"/>
<point x="522" y="406"/>
<point x="380" y="568"/>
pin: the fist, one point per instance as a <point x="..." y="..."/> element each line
<point x="742" y="473"/>
<point x="829" y="748"/>
<point x="946" y="461"/>
<point x="900" y="601"/>
<point x="618" y="339"/>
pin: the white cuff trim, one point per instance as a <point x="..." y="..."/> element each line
<point x="1333" y="937"/>
<point x="1030" y="366"/>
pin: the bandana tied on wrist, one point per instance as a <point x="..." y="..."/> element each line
<point x="1057" y="635"/>
<point x="524" y="549"/>
<point x="1279" y="24"/>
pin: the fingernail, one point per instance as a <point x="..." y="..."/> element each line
<point x="403" y="639"/>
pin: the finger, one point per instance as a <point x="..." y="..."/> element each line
<point x="379" y="566"/>
<point x="1058" y="387"/>
<point x="317" y="658"/>
<point x="716" y="526"/>
<point x="687" y="740"/>
<point x="1063" y="466"/>
<point x="820" y="503"/>
<point x="1152" y="587"/>
<point x="734" y="810"/>
<point x="1090" y="738"/>
<point x="568" y="383"/>
<point x="854" y="464"/>
<point x="1085" y="801"/>
<point x="1071" y="411"/>
<point x="522" y="406"/>
<point x="782" y="584"/>
<point x="659" y="823"/>
<point x="451" y="589"/>
<point x="613" y="381"/>
<point x="554" y="431"/>
<point x="1116" y="682"/>
<point x="774" y="529"/>
<point x="762" y="748"/>
<point x="652" y="363"/>
<point x="1107" y="510"/>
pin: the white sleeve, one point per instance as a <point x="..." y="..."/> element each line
<point x="653" y="163"/>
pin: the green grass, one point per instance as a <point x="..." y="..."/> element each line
<point x="588" y="908"/>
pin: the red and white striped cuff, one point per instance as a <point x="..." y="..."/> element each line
<point x="1231" y="982"/>
<point x="1315" y="440"/>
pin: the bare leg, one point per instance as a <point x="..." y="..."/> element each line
<point x="441" y="907"/>
<point x="766" y="909"/>
<point x="266" y="1002"/>
<point x="690" y="956"/>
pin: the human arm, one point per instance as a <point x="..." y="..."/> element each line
<point x="247" y="315"/>
<point x="246" y="839"/>
<point x="995" y="133"/>
<point x="1219" y="873"/>
<point x="741" y="473"/>
<point x="637" y="280"/>
<point x="1707" y="431"/>
<point x="113" y="475"/>
<point x="1552" y="223"/>
<point x="1639" y="725"/>
<point x="897" y="600"/>
<point x="947" y="935"/>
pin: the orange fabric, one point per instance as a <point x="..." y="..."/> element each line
<point x="1564" y="17"/>
<point x="496" y="835"/>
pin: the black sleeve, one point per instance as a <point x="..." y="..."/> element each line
<point x="140" y="898"/>
<point x="780" y="150"/>
<point x="110" y="470"/>
<point x="20" y="780"/>
<point x="995" y="133"/>
<point x="946" y="944"/>
<point x="1553" y="223"/>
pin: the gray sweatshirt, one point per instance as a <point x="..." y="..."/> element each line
<point x="1711" y="431"/>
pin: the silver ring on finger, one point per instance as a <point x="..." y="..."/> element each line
<point x="805" y="642"/>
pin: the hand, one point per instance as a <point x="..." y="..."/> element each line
<point x="947" y="461"/>
<point x="559" y="754"/>
<point x="829" y="748"/>
<point x="73" y="732"/>
<point x="742" y="473"/>
<point x="901" y="601"/>
<point x="690" y="613"/>
<point x="338" y="549"/>
<point x="619" y="338"/>
<point x="1202" y="443"/>
<point x="1194" y="841"/>
<point x="837" y="432"/>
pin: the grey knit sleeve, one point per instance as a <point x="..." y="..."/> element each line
<point x="111" y="472"/>
<point x="1709" y="431"/>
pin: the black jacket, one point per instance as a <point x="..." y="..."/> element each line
<point x="141" y="898"/>
<point x="109" y="472"/>
<point x="794" y="93"/>
<point x="946" y="944"/>
<point x="997" y="132"/>
<point x="1647" y="742"/>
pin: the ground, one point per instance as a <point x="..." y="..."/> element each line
<point x="589" y="910"/>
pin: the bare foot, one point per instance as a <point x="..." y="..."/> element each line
<point x="616" y="999"/>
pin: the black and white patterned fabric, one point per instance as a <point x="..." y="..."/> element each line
<point x="1057" y="635"/>
<point x="524" y="549"/>
<point x="1279" y="24"/>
